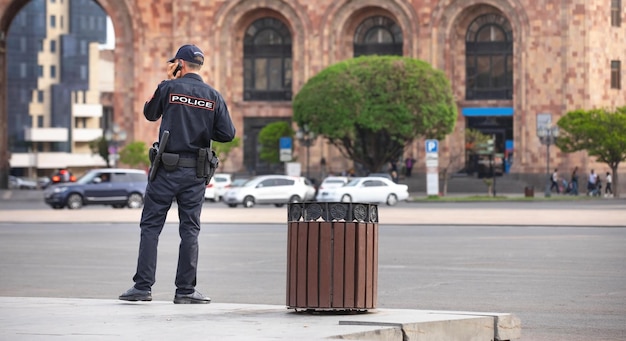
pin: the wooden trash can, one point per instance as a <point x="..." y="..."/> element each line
<point x="332" y="256"/>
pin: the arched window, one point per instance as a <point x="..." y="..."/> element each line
<point x="489" y="58"/>
<point x="378" y="35"/>
<point x="267" y="61"/>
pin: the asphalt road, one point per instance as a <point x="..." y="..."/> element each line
<point x="565" y="283"/>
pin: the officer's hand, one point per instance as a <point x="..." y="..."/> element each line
<point x="170" y="71"/>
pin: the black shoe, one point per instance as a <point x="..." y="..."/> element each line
<point x="193" y="298"/>
<point x="134" y="294"/>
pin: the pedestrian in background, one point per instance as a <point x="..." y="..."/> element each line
<point x="409" y="162"/>
<point x="574" y="181"/>
<point x="592" y="183"/>
<point x="608" y="190"/>
<point x="555" y="181"/>
<point x="194" y="114"/>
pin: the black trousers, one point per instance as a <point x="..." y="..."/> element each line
<point x="188" y="190"/>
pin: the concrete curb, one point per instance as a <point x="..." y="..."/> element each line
<point x="39" y="318"/>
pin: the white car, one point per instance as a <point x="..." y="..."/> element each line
<point x="331" y="182"/>
<point x="366" y="190"/>
<point x="21" y="183"/>
<point x="218" y="185"/>
<point x="270" y="189"/>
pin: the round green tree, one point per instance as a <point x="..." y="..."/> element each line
<point x="599" y="132"/>
<point x="371" y="107"/>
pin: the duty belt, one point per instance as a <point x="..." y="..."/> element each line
<point x="186" y="162"/>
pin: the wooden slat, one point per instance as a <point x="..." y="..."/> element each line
<point x="292" y="256"/>
<point x="349" y="271"/>
<point x="312" y="265"/>
<point x="375" y="266"/>
<point x="339" y="233"/>
<point x="369" y="262"/>
<point x="301" y="264"/>
<point x="325" y="265"/>
<point x="360" y="262"/>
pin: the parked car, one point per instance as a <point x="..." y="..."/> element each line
<point x="334" y="181"/>
<point x="239" y="182"/>
<point x="367" y="190"/>
<point x="382" y="175"/>
<point x="270" y="189"/>
<point x="218" y="185"/>
<point x="331" y="182"/>
<point x="43" y="182"/>
<point x="116" y="187"/>
<point x="16" y="182"/>
<point x="61" y="176"/>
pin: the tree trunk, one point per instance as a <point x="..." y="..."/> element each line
<point x="615" y="184"/>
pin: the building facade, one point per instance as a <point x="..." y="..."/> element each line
<point x="53" y="69"/>
<point x="508" y="61"/>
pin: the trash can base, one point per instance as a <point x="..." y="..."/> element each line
<point x="325" y="311"/>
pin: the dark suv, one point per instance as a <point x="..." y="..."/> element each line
<point x="116" y="187"/>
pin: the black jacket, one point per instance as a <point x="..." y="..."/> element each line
<point x="192" y="111"/>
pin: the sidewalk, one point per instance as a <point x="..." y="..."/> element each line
<point x="42" y="318"/>
<point x="421" y="214"/>
<point x="84" y="319"/>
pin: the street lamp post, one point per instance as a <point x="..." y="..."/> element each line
<point x="548" y="136"/>
<point x="306" y="137"/>
<point x="114" y="136"/>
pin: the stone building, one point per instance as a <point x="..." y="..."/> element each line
<point x="508" y="61"/>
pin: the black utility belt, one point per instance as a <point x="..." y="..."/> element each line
<point x="170" y="161"/>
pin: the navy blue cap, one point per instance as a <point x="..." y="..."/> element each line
<point x="189" y="53"/>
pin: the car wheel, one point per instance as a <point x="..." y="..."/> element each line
<point x="118" y="205"/>
<point x="392" y="199"/>
<point x="346" y="198"/>
<point x="248" y="202"/>
<point x="294" y="198"/>
<point x="74" y="201"/>
<point x="232" y="205"/>
<point x="57" y="207"/>
<point x="135" y="200"/>
<point x="279" y="205"/>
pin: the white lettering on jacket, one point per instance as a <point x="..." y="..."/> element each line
<point x="192" y="101"/>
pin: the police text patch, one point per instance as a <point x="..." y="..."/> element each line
<point x="192" y="101"/>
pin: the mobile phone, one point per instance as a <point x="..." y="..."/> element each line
<point x="178" y="68"/>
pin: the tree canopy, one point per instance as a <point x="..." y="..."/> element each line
<point x="223" y="149"/>
<point x="135" y="154"/>
<point x="600" y="132"/>
<point x="372" y="106"/>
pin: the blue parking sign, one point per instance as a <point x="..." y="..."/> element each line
<point x="432" y="146"/>
<point x="285" y="142"/>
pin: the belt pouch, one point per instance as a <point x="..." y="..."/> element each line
<point x="169" y="161"/>
<point x="202" y="164"/>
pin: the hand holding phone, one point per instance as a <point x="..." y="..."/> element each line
<point x="178" y="68"/>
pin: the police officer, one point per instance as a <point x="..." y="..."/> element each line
<point x="194" y="114"/>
